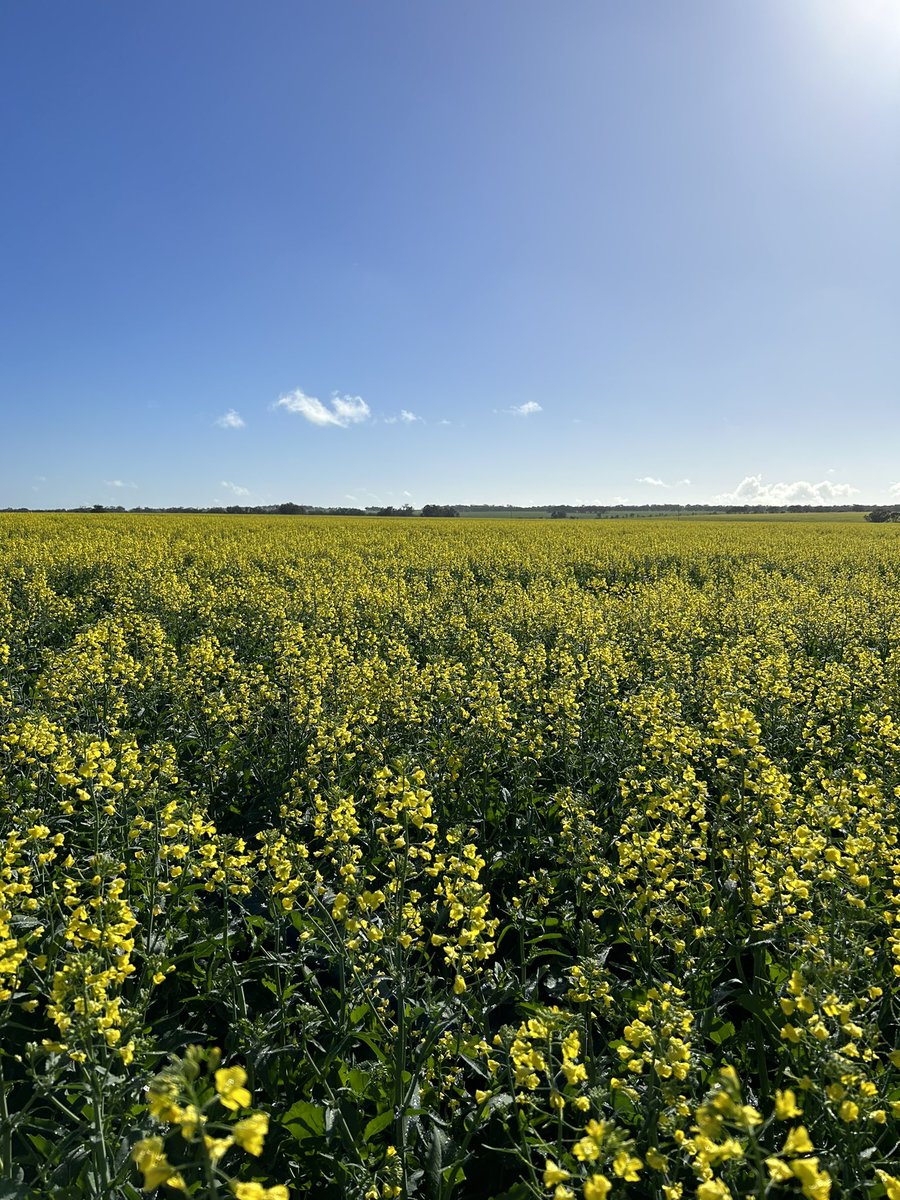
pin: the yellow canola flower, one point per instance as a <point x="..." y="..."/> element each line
<point x="713" y="1189"/>
<point x="553" y="1174"/>
<point x="189" y="1120"/>
<point x="891" y="1185"/>
<point x="162" y="1104"/>
<point x="216" y="1147"/>
<point x="256" y="1191"/>
<point x="815" y="1184"/>
<point x="150" y="1159"/>
<point x="597" y="1187"/>
<point x="627" y="1166"/>
<point x="786" y="1105"/>
<point x="798" y="1141"/>
<point x="230" y="1087"/>
<point x="779" y="1171"/>
<point x="251" y="1132"/>
<point x="588" y="1148"/>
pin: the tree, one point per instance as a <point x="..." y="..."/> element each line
<point x="882" y="513"/>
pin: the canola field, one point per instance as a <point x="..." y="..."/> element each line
<point x="375" y="859"/>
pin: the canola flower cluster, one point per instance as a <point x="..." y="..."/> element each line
<point x="381" y="859"/>
<point x="185" y="1099"/>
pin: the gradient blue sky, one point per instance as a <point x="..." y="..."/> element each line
<point x="510" y="252"/>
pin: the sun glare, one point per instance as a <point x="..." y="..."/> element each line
<point x="867" y="29"/>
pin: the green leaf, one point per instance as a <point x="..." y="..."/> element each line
<point x="355" y="1079"/>
<point x="377" y="1124"/>
<point x="721" y="1032"/>
<point x="305" y="1120"/>
<point x="15" y="1191"/>
<point x="434" y="1160"/>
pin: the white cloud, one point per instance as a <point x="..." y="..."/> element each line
<point x="524" y="410"/>
<point x="340" y="410"/>
<point x="119" y="483"/>
<point x="443" y="422"/>
<point x="654" y="482"/>
<point x="752" y="490"/>
<point x="230" y="420"/>
<point x="234" y="488"/>
<point x="406" y="417"/>
<point x="894" y="489"/>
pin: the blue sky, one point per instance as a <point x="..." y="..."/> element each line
<point x="511" y="252"/>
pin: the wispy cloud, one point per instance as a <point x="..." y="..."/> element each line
<point x="894" y="489"/>
<point x="528" y="409"/>
<point x="405" y="418"/>
<point x="230" y="420"/>
<point x="234" y="488"/>
<point x="654" y="482"/>
<point x="340" y="410"/>
<point x="119" y="483"/>
<point x="752" y="490"/>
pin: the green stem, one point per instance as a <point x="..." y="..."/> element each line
<point x="101" y="1162"/>
<point x="6" y="1159"/>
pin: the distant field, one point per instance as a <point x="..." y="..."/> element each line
<point x="449" y="858"/>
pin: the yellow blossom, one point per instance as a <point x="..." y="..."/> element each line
<point x="250" y="1133"/>
<point x="596" y="1187"/>
<point x="713" y="1189"/>
<point x="230" y="1087"/>
<point x="891" y="1185"/>
<point x="554" y="1174"/>
<point x="786" y="1105"/>
<point x="151" y="1161"/>
<point x="814" y="1184"/>
<point x="797" y="1141"/>
<point x="627" y="1166"/>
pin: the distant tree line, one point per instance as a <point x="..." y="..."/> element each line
<point x="439" y="510"/>
<point x="556" y="512"/>
<point x="599" y="510"/>
<point x="288" y="509"/>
